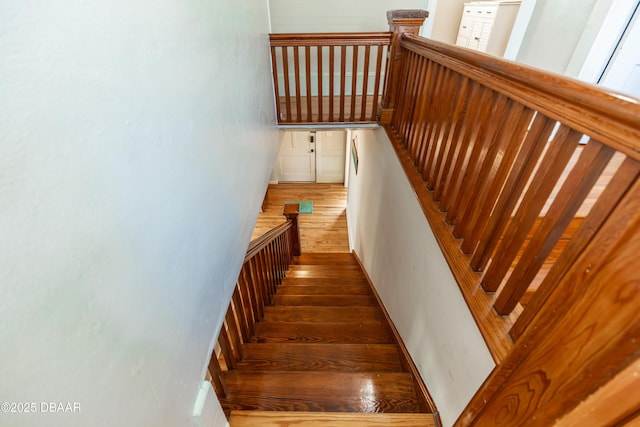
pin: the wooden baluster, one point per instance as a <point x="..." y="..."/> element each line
<point x="452" y="85"/>
<point x="452" y="180"/>
<point x="256" y="288"/>
<point x="419" y="117"/>
<point x="307" y="59"/>
<point x="469" y="132"/>
<point x="291" y="212"/>
<point x="280" y="252"/>
<point x="413" y="117"/>
<point x="287" y="88"/>
<point x="524" y="166"/>
<point x="275" y="270"/>
<point x="451" y="131"/>
<point x="289" y="247"/>
<point x="572" y="194"/>
<point x="510" y="139"/>
<point x="376" y="85"/>
<point x="263" y="279"/>
<point x="442" y="111"/>
<point x="508" y="144"/>
<point x="434" y="86"/>
<point x="246" y="322"/>
<point x="611" y="196"/>
<point x="411" y="96"/>
<point x="395" y="116"/>
<point x="234" y="334"/>
<point x="365" y="83"/>
<point x="560" y="151"/>
<point x="424" y="113"/>
<point x="354" y="82"/>
<point x="225" y="346"/>
<point x="332" y="55"/>
<point x="343" y="76"/>
<point x="247" y="294"/>
<point x="320" y="78"/>
<point x="403" y="88"/>
<point x="400" y="22"/>
<point x="216" y="376"/>
<point x="296" y="67"/>
<point x="277" y="265"/>
<point x="483" y="139"/>
<point x="276" y="88"/>
<point x="273" y="280"/>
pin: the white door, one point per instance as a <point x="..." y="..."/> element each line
<point x="297" y="158"/>
<point x="331" y="156"/>
<point x="623" y="71"/>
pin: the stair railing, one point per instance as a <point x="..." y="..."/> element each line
<point x="529" y="181"/>
<point x="265" y="264"/>
<point x="328" y="77"/>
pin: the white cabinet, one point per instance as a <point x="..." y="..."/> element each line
<point x="486" y="25"/>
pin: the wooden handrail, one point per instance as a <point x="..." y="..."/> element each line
<point x="311" y="81"/>
<point x="610" y="117"/>
<point x="265" y="264"/>
<point x="259" y="243"/>
<point x="330" y="39"/>
<point x="530" y="182"/>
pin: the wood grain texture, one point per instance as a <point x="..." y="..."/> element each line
<point x="571" y="350"/>
<point x="321" y="391"/>
<point x="319" y="347"/>
<point x="320" y="357"/>
<point x="330" y="332"/>
<point x="317" y="419"/>
<point x="615" y="403"/>
<point x="325" y="230"/>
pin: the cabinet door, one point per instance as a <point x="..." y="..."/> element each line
<point x="465" y="27"/>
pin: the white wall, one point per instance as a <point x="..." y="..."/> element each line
<point x="136" y="142"/>
<point x="560" y="32"/>
<point x="445" y="20"/>
<point x="391" y="236"/>
<point x="311" y="16"/>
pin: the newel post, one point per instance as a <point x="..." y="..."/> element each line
<point x="400" y="22"/>
<point x="291" y="212"/>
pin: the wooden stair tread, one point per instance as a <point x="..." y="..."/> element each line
<point x="364" y="333"/>
<point x="316" y="357"/>
<point x="327" y="419"/>
<point x="324" y="281"/>
<point x="321" y="391"/>
<point x="352" y="290"/>
<point x="324" y="271"/>
<point x="323" y="314"/>
<point x="325" y="300"/>
<point x="325" y="258"/>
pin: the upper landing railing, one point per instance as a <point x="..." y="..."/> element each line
<point x="328" y="78"/>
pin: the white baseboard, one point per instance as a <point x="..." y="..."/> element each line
<point x="207" y="411"/>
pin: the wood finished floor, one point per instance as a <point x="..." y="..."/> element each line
<point x="323" y="346"/>
<point x="317" y="419"/>
<point x="325" y="230"/>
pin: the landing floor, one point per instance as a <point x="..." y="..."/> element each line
<point x="324" y="230"/>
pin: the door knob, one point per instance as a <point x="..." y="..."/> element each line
<point x="311" y="150"/>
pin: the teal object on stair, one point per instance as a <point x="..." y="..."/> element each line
<point x="305" y="207"/>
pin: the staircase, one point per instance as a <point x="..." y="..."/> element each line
<point x="323" y="346"/>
